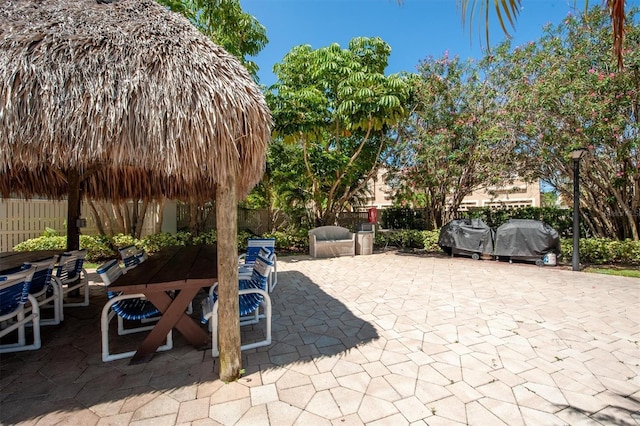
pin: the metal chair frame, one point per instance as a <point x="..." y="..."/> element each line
<point x="14" y="293"/>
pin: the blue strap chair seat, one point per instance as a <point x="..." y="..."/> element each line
<point x="252" y="294"/>
<point x="133" y="307"/>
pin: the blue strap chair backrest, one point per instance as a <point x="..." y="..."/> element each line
<point x="254" y="245"/>
<point x="259" y="279"/>
<point x="132" y="255"/>
<point x="14" y="290"/>
<point x="70" y="265"/>
<point x="43" y="275"/>
<point x="130" y="309"/>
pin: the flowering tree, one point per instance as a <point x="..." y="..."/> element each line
<point x="452" y="142"/>
<point x="565" y="91"/>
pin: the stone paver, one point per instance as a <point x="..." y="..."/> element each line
<point x="391" y="338"/>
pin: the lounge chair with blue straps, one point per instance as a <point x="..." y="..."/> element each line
<point x="132" y="256"/>
<point x="246" y="260"/>
<point x="46" y="289"/>
<point x="14" y="293"/>
<point x="253" y="294"/>
<point x="71" y="275"/>
<point x="133" y="307"/>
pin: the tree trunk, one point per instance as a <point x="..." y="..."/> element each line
<point x="158" y="224"/>
<point x="73" y="210"/>
<point x="96" y="217"/>
<point x="228" y="310"/>
<point x="139" y="223"/>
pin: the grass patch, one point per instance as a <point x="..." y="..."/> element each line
<point x="632" y="273"/>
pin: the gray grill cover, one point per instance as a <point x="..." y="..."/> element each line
<point x="526" y="238"/>
<point x="472" y="235"/>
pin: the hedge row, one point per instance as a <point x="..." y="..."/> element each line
<point x="592" y="250"/>
<point x="596" y="251"/>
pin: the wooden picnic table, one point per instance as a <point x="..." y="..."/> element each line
<point x="170" y="279"/>
<point x="11" y="261"/>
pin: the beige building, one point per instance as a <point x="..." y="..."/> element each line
<point x="512" y="195"/>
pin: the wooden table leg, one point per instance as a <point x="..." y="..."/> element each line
<point x="173" y="315"/>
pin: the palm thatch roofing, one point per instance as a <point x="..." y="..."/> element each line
<point x="128" y="95"/>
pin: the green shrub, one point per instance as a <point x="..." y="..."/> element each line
<point x="155" y="242"/>
<point x="599" y="251"/>
<point x="124" y="240"/>
<point x="98" y="247"/>
<point x="297" y="241"/>
<point x="54" y="242"/>
<point x="430" y="239"/>
<point x="209" y="237"/>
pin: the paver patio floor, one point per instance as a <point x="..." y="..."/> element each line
<point x="386" y="339"/>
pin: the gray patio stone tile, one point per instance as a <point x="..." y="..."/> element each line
<point x="168" y="420"/>
<point x="159" y="406"/>
<point x="450" y="408"/>
<point x="477" y="414"/>
<point x="264" y="394"/>
<point x="533" y="417"/>
<point x="505" y="411"/>
<point x="412" y="409"/>
<point x="255" y="416"/>
<point x="297" y="396"/>
<point x="116" y="420"/>
<point x="497" y="390"/>
<point x="230" y="392"/>
<point x="193" y="410"/>
<point x="550" y="393"/>
<point x="324" y="381"/>
<point x="464" y="392"/>
<point x="208" y="388"/>
<point x="376" y="369"/>
<point x="350" y="420"/>
<point x="324" y="405"/>
<point x="453" y="373"/>
<point x="357" y="382"/>
<point x="574" y="417"/>
<point x="430" y="374"/>
<point x="281" y="413"/>
<point x="139" y="398"/>
<point x="229" y="412"/>
<point x="587" y="403"/>
<point x="382" y="389"/>
<point x="373" y="408"/>
<point x="348" y="400"/>
<point x="346" y="368"/>
<point x="307" y="418"/>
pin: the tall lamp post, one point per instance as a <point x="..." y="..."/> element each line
<point x="576" y="155"/>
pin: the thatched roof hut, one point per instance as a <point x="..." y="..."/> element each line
<point x="128" y="100"/>
<point x="129" y="95"/>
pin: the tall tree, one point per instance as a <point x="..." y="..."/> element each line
<point x="227" y="25"/>
<point x="339" y="108"/>
<point x="565" y="91"/>
<point x="452" y="144"/>
<point x="507" y="13"/>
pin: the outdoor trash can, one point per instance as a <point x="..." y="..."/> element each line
<point x="469" y="237"/>
<point x="364" y="239"/>
<point x="527" y="240"/>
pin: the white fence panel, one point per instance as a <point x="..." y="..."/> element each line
<point x="21" y="220"/>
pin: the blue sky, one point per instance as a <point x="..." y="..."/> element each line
<point x="415" y="30"/>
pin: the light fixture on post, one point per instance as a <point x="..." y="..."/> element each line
<point x="576" y="155"/>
